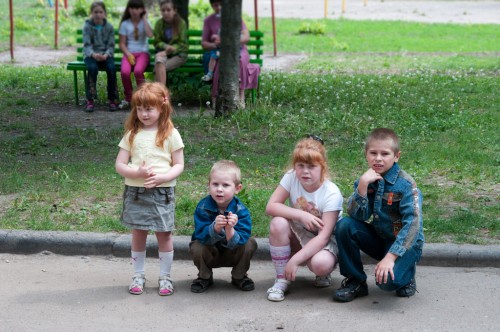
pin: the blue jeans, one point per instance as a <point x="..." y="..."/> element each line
<point x="93" y="67"/>
<point x="353" y="235"/>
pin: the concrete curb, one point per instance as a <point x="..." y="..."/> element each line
<point x="113" y="244"/>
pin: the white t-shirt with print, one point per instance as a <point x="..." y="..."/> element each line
<point x="326" y="198"/>
<point x="133" y="45"/>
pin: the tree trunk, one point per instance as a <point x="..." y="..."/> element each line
<point x="183" y="9"/>
<point x="229" y="62"/>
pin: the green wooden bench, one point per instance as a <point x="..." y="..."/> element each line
<point x="193" y="64"/>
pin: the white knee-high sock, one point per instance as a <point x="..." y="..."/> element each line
<point x="280" y="256"/>
<point x="138" y="261"/>
<point x="166" y="260"/>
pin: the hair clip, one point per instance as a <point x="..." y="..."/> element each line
<point x="316" y="138"/>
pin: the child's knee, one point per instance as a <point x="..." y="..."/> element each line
<point x="322" y="263"/>
<point x="278" y="225"/>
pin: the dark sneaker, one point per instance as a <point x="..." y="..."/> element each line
<point x="112" y="107"/>
<point x="90" y="106"/>
<point x="200" y="285"/>
<point x="350" y="289"/>
<point x="408" y="290"/>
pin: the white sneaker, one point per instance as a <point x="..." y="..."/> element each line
<point x="137" y="285"/>
<point x="206" y="78"/>
<point x="277" y="292"/>
<point x="325" y="281"/>
<point x="165" y="286"/>
<point x="124" y="105"/>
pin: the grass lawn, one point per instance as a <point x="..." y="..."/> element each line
<point x="438" y="90"/>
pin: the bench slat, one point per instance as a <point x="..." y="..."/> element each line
<point x="192" y="65"/>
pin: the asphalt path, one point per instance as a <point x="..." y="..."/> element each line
<point x="436" y="11"/>
<point x="48" y="292"/>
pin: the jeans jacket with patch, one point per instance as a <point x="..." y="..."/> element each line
<point x="204" y="222"/>
<point x="393" y="206"/>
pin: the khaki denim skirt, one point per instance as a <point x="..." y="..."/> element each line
<point x="151" y="209"/>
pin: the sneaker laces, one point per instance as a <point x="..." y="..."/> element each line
<point x="346" y="282"/>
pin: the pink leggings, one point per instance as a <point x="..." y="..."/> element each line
<point x="141" y="63"/>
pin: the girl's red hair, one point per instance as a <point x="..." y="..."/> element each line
<point x="151" y="95"/>
<point x="311" y="151"/>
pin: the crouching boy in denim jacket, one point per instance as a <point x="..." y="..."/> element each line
<point x="222" y="230"/>
<point x="394" y="234"/>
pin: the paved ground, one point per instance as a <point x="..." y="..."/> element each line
<point x="447" y="11"/>
<point x="60" y="293"/>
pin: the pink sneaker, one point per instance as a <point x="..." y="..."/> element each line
<point x="90" y="106"/>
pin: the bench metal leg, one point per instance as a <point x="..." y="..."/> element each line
<point x="75" y="86"/>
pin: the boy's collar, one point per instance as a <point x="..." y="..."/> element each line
<point x="392" y="174"/>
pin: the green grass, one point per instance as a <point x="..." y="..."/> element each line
<point x="382" y="36"/>
<point x="438" y="90"/>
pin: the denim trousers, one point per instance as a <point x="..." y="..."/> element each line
<point x="353" y="235"/>
<point x="93" y="67"/>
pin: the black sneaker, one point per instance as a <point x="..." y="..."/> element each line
<point x="408" y="290"/>
<point x="350" y="289"/>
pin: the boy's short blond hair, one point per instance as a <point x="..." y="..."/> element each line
<point x="228" y="166"/>
<point x="382" y="134"/>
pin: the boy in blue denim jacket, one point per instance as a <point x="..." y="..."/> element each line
<point x="393" y="235"/>
<point x="222" y="230"/>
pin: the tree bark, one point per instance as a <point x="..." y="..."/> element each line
<point x="183" y="9"/>
<point x="229" y="62"/>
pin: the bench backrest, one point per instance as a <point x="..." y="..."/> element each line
<point x="254" y="45"/>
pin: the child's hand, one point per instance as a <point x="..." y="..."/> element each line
<point x="310" y="222"/>
<point x="131" y="59"/>
<point x="384" y="268"/>
<point x="99" y="57"/>
<point x="169" y="49"/>
<point x="370" y="176"/>
<point x="220" y="223"/>
<point x="144" y="171"/>
<point x="291" y="270"/>
<point x="216" y="40"/>
<point x="231" y="219"/>
<point x="153" y="180"/>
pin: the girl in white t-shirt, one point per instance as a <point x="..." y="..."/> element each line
<point x="150" y="159"/>
<point x="302" y="232"/>
<point x="134" y="32"/>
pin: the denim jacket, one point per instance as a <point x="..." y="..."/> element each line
<point x="395" y="203"/>
<point x="204" y="222"/>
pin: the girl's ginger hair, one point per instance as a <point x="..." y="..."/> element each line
<point x="176" y="20"/>
<point x="151" y="95"/>
<point x="311" y="151"/>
